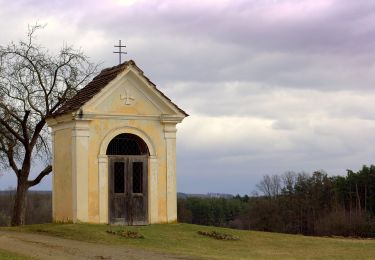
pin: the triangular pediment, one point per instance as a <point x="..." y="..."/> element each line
<point x="121" y="90"/>
<point x="128" y="94"/>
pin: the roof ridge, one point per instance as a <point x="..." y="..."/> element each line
<point x="125" y="63"/>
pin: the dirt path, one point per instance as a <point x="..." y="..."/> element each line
<point x="48" y="247"/>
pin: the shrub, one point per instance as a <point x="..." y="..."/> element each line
<point x="126" y="233"/>
<point x="217" y="235"/>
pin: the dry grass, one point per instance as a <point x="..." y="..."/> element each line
<point x="11" y="256"/>
<point x="183" y="239"/>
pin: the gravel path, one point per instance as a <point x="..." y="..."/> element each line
<point x="48" y="247"/>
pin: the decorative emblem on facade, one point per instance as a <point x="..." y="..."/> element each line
<point x="128" y="98"/>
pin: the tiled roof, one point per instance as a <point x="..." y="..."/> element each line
<point x="97" y="84"/>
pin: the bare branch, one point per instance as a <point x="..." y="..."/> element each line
<point x="11" y="130"/>
<point x="38" y="129"/>
<point x="9" y="112"/>
<point x="34" y="84"/>
<point x="9" y="151"/>
<point x="24" y="126"/>
<point x="41" y="175"/>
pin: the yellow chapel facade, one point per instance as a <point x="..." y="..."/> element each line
<point x="114" y="151"/>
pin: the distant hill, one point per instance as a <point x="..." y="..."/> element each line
<point x="181" y="195"/>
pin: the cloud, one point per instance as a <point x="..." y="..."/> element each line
<point x="270" y="85"/>
<point x="295" y="44"/>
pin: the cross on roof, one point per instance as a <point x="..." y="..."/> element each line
<point x="119" y="46"/>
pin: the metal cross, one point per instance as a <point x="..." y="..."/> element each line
<point x="128" y="98"/>
<point x="119" y="46"/>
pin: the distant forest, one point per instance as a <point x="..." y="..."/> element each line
<point x="296" y="203"/>
<point x="38" y="209"/>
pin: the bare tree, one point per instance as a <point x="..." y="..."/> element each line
<point x="264" y="186"/>
<point x="270" y="186"/>
<point x="289" y="180"/>
<point x="33" y="85"/>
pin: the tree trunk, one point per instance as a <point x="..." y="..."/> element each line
<point x="359" y="207"/>
<point x="19" y="210"/>
<point x="366" y="197"/>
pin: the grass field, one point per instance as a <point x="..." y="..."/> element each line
<point x="183" y="239"/>
<point x="11" y="256"/>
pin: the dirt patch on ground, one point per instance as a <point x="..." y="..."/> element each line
<point x="48" y="247"/>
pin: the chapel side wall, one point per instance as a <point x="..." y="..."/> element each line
<point x="62" y="175"/>
<point x="99" y="128"/>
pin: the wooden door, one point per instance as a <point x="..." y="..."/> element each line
<point x="128" y="190"/>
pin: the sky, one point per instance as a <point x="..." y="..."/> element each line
<point x="270" y="85"/>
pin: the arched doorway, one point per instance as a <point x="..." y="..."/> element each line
<point x="128" y="180"/>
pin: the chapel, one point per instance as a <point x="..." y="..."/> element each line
<point x="114" y="151"/>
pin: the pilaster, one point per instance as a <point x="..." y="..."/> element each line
<point x="80" y="148"/>
<point x="103" y="188"/>
<point x="171" y="192"/>
<point x="53" y="173"/>
<point x="153" y="188"/>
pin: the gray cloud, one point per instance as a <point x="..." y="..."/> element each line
<point x="270" y="85"/>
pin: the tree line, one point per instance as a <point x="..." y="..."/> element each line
<point x="38" y="207"/>
<point x="297" y="203"/>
